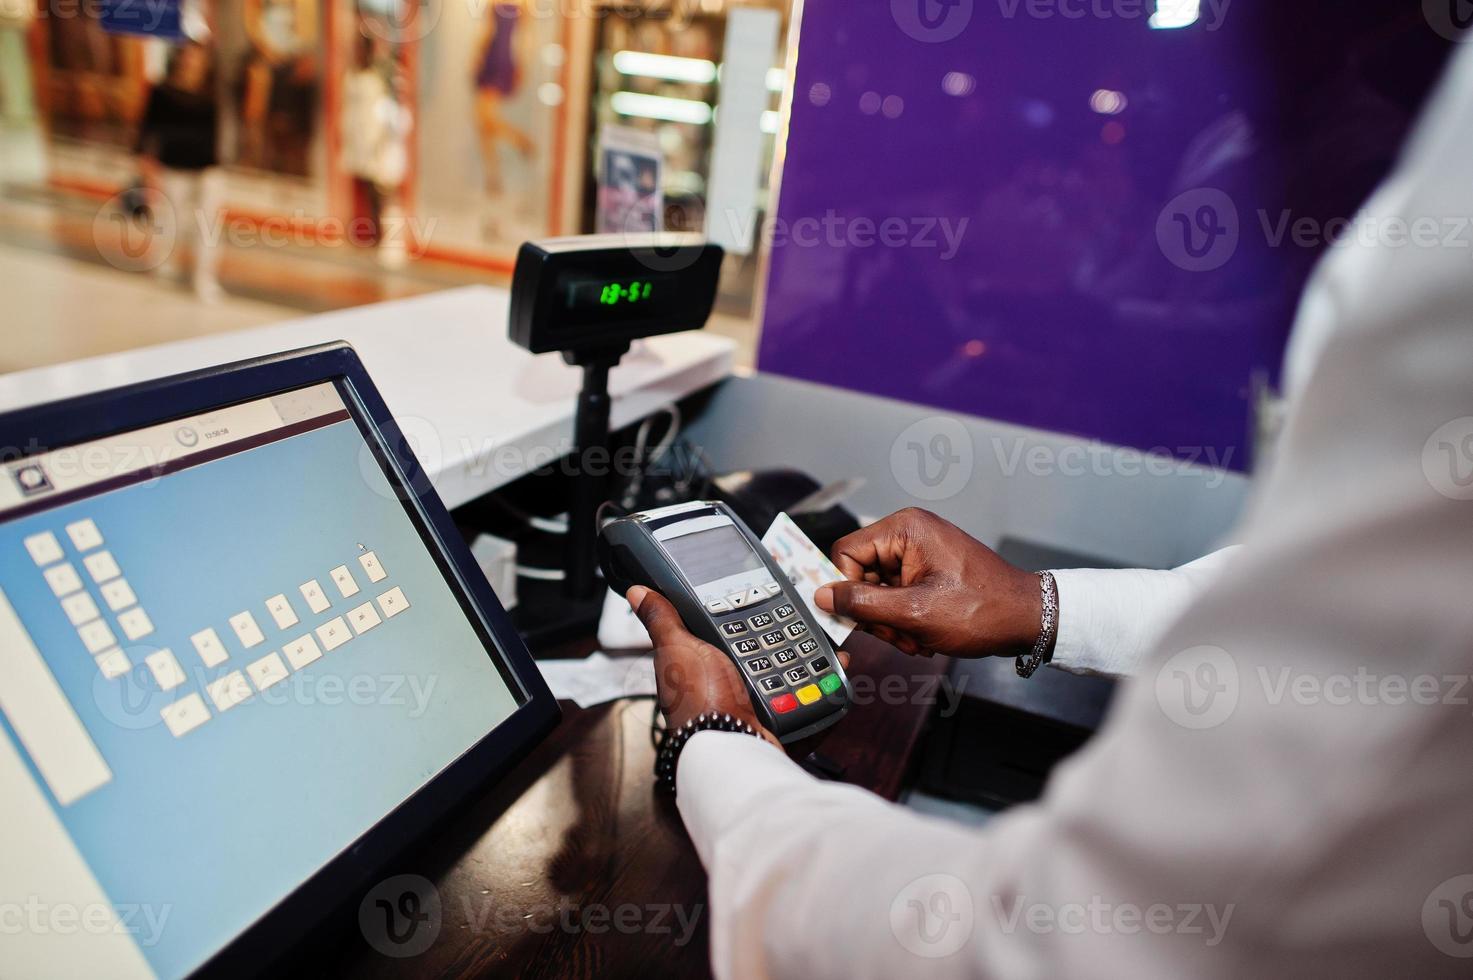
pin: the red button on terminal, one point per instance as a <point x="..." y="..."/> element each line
<point x="783" y="703"/>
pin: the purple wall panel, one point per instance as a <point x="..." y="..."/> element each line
<point x="1113" y="194"/>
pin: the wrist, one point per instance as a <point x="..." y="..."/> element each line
<point x="675" y="739"/>
<point x="742" y="713"/>
<point x="1019" y="627"/>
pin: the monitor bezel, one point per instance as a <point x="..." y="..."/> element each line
<point x="58" y="424"/>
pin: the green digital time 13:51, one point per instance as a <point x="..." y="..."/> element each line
<point x="615" y="293"/>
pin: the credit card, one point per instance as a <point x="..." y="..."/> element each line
<point x="807" y="568"/>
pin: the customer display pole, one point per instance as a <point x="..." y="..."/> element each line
<point x="590" y="466"/>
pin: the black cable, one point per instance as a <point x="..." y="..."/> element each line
<point x="598" y="515"/>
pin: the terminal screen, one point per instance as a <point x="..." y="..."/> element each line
<point x="226" y="652"/>
<point x="706" y="556"/>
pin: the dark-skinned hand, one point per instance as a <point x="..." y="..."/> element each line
<point x="926" y="586"/>
<point x="692" y="676"/>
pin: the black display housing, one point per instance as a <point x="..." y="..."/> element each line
<point x="550" y="305"/>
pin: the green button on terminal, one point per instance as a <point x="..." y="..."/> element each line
<point x="830" y="684"/>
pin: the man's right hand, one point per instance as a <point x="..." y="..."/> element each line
<point x="927" y="586"/>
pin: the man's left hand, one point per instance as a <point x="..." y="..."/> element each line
<point x="693" y="676"/>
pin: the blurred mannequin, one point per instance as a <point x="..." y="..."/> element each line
<point x="278" y="103"/>
<point x="17" y="104"/>
<point x="176" y="149"/>
<point x="497" y="77"/>
<point x="375" y="127"/>
<point x="22" y="154"/>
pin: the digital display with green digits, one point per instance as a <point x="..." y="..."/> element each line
<point x="591" y="292"/>
<point x="603" y="298"/>
<point x="615" y="293"/>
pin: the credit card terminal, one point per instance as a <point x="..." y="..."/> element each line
<point x="730" y="593"/>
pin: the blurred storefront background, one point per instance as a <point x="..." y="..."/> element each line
<point x="406" y="144"/>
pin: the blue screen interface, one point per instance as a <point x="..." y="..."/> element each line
<point x="226" y="652"/>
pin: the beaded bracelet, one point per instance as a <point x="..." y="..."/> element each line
<point x="675" y="739"/>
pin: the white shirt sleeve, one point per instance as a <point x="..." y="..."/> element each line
<point x="1285" y="791"/>
<point x="1110" y="618"/>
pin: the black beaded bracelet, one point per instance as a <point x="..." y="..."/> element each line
<point x="674" y="742"/>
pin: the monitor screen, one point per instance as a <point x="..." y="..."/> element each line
<point x="228" y="648"/>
